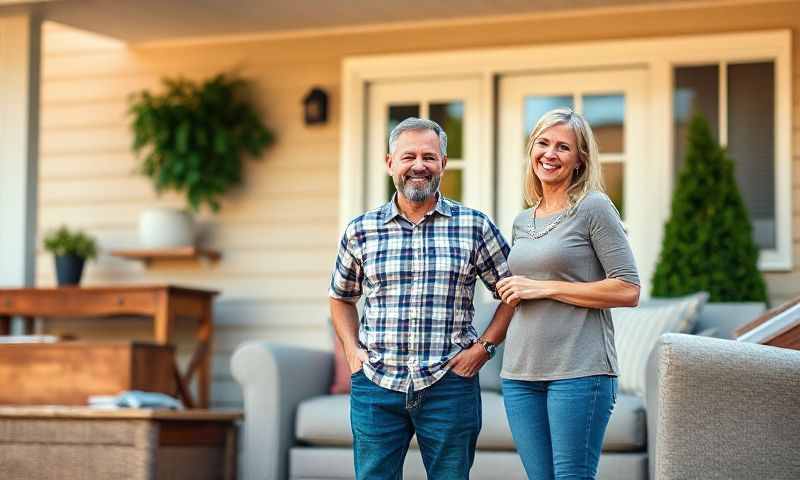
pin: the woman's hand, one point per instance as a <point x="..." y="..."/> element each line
<point x="517" y="288"/>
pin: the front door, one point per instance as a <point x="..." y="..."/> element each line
<point x="614" y="103"/>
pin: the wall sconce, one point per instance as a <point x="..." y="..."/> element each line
<point x="315" y="106"/>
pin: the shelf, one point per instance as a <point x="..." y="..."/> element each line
<point x="179" y="253"/>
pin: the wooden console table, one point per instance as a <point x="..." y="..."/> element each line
<point x="162" y="303"/>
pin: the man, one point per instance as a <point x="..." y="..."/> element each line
<point x="415" y="356"/>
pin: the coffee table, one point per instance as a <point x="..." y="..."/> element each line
<point x="55" y="442"/>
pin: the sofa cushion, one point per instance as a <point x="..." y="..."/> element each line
<point x="627" y="429"/>
<point x="325" y="421"/>
<point x="636" y="331"/>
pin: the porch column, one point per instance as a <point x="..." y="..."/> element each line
<point x="20" y="59"/>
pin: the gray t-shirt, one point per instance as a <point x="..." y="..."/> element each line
<point x="551" y="340"/>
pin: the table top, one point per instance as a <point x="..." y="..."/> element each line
<point x="63" y="411"/>
<point x="112" y="288"/>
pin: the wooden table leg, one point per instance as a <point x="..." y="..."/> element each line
<point x="205" y="336"/>
<point x="164" y="320"/>
<point x="5" y="325"/>
<point x="230" y="452"/>
<point x="27" y="325"/>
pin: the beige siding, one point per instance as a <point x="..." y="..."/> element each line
<point x="278" y="233"/>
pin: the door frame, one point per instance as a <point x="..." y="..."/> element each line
<point x="656" y="55"/>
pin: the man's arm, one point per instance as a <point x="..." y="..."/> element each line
<point x="345" y="321"/>
<point x="496" y="331"/>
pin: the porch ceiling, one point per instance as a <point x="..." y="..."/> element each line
<point x="138" y="21"/>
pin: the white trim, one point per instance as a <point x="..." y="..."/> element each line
<point x="722" y="87"/>
<point x="657" y="55"/>
<point x="482" y="20"/>
<point x="770" y="329"/>
<point x="20" y="53"/>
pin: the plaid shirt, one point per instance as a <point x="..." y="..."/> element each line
<point x="418" y="281"/>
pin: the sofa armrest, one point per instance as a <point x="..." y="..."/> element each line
<point x="725" y="409"/>
<point x="275" y="379"/>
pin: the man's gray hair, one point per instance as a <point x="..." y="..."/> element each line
<point x="414" y="123"/>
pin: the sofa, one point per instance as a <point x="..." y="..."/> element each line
<point x="294" y="429"/>
<point x="723" y="410"/>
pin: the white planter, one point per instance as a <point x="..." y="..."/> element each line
<point x="164" y="227"/>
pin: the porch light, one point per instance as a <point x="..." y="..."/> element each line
<point x="315" y="106"/>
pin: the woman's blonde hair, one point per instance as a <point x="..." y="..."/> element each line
<point x="587" y="178"/>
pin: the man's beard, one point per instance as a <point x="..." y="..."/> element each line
<point x="414" y="193"/>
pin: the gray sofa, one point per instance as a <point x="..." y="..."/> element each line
<point x="295" y="430"/>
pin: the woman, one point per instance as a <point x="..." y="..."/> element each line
<point x="571" y="262"/>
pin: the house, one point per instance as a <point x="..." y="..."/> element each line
<point x="486" y="70"/>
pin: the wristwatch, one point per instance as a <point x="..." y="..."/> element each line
<point x="490" y="347"/>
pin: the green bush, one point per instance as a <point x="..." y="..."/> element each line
<point x="192" y="138"/>
<point x="708" y="243"/>
<point x="63" y="241"/>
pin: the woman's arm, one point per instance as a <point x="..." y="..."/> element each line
<point x="607" y="293"/>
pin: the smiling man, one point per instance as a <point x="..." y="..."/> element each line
<point x="415" y="356"/>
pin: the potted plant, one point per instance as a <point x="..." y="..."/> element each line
<point x="71" y="250"/>
<point x="708" y="243"/>
<point x="192" y="139"/>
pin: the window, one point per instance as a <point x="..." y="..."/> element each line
<point x="738" y="100"/>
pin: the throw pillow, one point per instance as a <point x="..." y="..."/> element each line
<point x="636" y="331"/>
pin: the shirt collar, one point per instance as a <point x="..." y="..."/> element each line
<point x="390" y="210"/>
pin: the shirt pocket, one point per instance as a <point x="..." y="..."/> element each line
<point x="452" y="262"/>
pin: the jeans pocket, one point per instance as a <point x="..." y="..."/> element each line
<point x="461" y="376"/>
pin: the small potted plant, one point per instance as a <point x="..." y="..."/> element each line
<point x="71" y="250"/>
<point x="192" y="139"/>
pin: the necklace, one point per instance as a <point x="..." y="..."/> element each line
<point x="532" y="224"/>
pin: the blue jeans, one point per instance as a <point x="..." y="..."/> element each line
<point x="445" y="416"/>
<point x="558" y="426"/>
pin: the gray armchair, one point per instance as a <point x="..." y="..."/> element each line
<point x="723" y="409"/>
<point x="274" y="380"/>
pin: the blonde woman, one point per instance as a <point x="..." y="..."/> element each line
<point x="571" y="262"/>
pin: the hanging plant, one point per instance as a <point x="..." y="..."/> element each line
<point x="193" y="137"/>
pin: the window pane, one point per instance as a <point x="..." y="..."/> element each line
<point x="751" y="143"/>
<point x="606" y="115"/>
<point x="451" y="117"/>
<point x="398" y="113"/>
<point x="696" y="91"/>
<point x="613" y="179"/>
<point x="452" y="185"/>
<point x="536" y="106"/>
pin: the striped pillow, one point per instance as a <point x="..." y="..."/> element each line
<point x="636" y="331"/>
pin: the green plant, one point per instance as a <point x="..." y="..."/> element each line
<point x="63" y="241"/>
<point x="708" y="243"/>
<point x="192" y="137"/>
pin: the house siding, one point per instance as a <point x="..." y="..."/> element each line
<point x="277" y="233"/>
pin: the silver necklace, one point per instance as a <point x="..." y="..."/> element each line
<point x="532" y="223"/>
